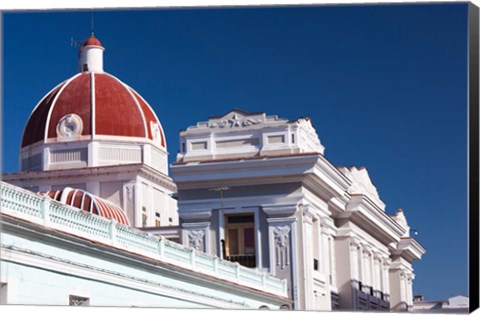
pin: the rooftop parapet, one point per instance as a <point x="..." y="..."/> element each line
<point x="41" y="210"/>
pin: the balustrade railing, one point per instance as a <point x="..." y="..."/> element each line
<point x="18" y="202"/>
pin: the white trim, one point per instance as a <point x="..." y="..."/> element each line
<point x="145" y="128"/>
<point x="293" y="285"/>
<point x="156" y="117"/>
<point x="94" y="275"/>
<point x="54" y="101"/>
<point x="93" y="105"/>
<point x="34" y="109"/>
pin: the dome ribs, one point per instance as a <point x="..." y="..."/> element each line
<point x="150" y="117"/>
<point x="107" y="107"/>
<point x="35" y="128"/>
<point x="116" y="112"/>
<point x="75" y="98"/>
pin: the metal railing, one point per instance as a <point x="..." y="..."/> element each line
<point x="244" y="260"/>
<point x="42" y="210"/>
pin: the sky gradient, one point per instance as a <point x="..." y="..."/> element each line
<point x="384" y="85"/>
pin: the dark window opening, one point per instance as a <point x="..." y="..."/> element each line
<point x="240" y="239"/>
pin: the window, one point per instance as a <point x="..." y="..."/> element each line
<point x="315" y="264"/>
<point x="75" y="300"/>
<point x="240" y="239"/>
<point x="158" y="221"/>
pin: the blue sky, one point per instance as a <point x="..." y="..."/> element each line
<point x="384" y="85"/>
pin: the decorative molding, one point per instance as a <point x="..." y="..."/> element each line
<point x="195" y="239"/>
<point x="69" y="126"/>
<point x="281" y="234"/>
<point x="129" y="189"/>
<point x="156" y="133"/>
<point x="235" y="121"/>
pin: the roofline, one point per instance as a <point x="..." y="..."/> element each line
<point x="258" y="157"/>
<point x="236" y="109"/>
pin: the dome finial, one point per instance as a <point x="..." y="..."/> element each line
<point x="93" y="25"/>
<point x="91" y="55"/>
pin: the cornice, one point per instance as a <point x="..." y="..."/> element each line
<point x="138" y="168"/>
<point x="409" y="249"/>
<point x="363" y="212"/>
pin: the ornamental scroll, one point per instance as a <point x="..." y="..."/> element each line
<point x="281" y="234"/>
<point x="234" y="122"/>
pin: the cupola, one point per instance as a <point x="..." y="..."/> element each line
<point x="92" y="119"/>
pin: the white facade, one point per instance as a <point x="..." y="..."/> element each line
<point x="53" y="254"/>
<point x="140" y="190"/>
<point x="253" y="190"/>
<point x="324" y="229"/>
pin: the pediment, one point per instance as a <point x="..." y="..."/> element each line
<point x="362" y="183"/>
<point x="236" y="118"/>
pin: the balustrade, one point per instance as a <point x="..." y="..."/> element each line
<point x="25" y="204"/>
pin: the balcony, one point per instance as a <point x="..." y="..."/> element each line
<point x="368" y="299"/>
<point x="244" y="260"/>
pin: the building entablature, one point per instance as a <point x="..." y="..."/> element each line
<point x="400" y="263"/>
<point x="277" y="210"/>
<point x="331" y="177"/>
<point x="363" y="240"/>
<point x="278" y="169"/>
<point x="409" y="249"/>
<point x="361" y="210"/>
<point x="311" y="168"/>
<point x="239" y="134"/>
<point x="127" y="171"/>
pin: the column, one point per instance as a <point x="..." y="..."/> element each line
<point x="282" y="253"/>
<point x="355" y="273"/>
<point x="307" y="235"/>
<point x="325" y="252"/>
<point x="403" y="291"/>
<point x="332" y="261"/>
<point x="386" y="278"/>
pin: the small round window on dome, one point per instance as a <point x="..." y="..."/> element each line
<point x="69" y="127"/>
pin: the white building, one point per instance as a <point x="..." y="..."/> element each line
<point x="93" y="145"/>
<point x="257" y="189"/>
<point x="253" y="189"/>
<point x="455" y="304"/>
<point x="95" y="133"/>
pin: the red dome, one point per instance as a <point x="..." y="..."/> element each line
<point x="100" y="104"/>
<point x="92" y="41"/>
<point x="88" y="202"/>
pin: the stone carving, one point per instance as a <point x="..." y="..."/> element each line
<point x="69" y="126"/>
<point x="155" y="129"/>
<point x="129" y="192"/>
<point x="195" y="239"/>
<point x="282" y="250"/>
<point x="234" y="122"/>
